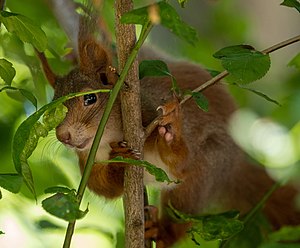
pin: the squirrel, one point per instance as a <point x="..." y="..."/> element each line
<point x="189" y="144"/>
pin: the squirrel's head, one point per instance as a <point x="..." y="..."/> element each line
<point x="84" y="113"/>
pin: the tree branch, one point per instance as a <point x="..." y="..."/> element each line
<point x="132" y="127"/>
<point x="149" y="129"/>
<point x="281" y="45"/>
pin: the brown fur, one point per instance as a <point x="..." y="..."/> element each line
<point x="214" y="172"/>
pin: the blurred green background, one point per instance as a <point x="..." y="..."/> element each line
<point x="219" y="23"/>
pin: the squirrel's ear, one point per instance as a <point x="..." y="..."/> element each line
<point x="93" y="58"/>
<point x="50" y="75"/>
<point x="96" y="62"/>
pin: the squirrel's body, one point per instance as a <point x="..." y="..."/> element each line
<point x="190" y="144"/>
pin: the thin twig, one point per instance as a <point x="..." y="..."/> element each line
<point x="69" y="234"/>
<point x="207" y="84"/>
<point x="149" y="129"/>
<point x="281" y="45"/>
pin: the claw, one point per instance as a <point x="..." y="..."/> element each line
<point x="123" y="144"/>
<point x="121" y="149"/>
<point x="162" y="109"/>
<point x="169" y="125"/>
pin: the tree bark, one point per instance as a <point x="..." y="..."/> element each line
<point x="133" y="131"/>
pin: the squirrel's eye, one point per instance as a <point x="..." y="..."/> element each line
<point x="89" y="99"/>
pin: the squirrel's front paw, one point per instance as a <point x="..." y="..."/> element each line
<point x="121" y="149"/>
<point x="169" y="124"/>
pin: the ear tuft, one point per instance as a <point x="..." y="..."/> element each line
<point x="96" y="62"/>
<point x="93" y="58"/>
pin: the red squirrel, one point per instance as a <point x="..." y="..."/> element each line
<point x="189" y="144"/>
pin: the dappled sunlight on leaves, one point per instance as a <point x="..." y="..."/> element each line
<point x="268" y="142"/>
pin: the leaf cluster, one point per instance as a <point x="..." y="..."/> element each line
<point x="63" y="204"/>
<point x="210" y="227"/>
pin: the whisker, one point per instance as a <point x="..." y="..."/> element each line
<point x="50" y="145"/>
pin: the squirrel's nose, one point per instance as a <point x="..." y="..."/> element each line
<point x="64" y="137"/>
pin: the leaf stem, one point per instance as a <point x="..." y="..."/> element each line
<point x="69" y="234"/>
<point x="113" y="96"/>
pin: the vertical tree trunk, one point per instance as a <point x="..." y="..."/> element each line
<point x="133" y="132"/>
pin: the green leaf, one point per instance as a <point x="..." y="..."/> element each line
<point x="220" y="227"/>
<point x="269" y="99"/>
<point x="1" y="232"/>
<point x="286" y="233"/>
<point x="27" y="94"/>
<point x="27" y="135"/>
<point x="29" y="97"/>
<point x="7" y="72"/>
<point x="136" y="16"/>
<point x="252" y="234"/>
<point x="11" y="182"/>
<point x="59" y="189"/>
<point x="201" y="100"/>
<point x="213" y="73"/>
<point x="244" y="63"/>
<point x="157" y="68"/>
<point x="25" y="29"/>
<point x="182" y="217"/>
<point x="169" y="18"/>
<point x="291" y="3"/>
<point x="153" y="68"/>
<point x="64" y="206"/>
<point x="210" y="227"/>
<point x="46" y="224"/>
<point x="182" y="3"/>
<point x="295" y="61"/>
<point x="159" y="174"/>
<point x="295" y="135"/>
<point x="26" y="173"/>
<point x="53" y="117"/>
